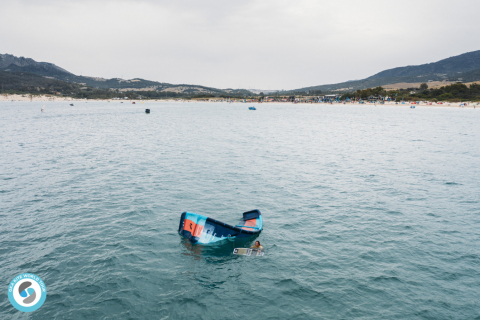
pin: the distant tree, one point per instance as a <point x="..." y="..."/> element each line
<point x="262" y="94"/>
<point x="423" y="86"/>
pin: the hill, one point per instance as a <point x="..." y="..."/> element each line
<point x="21" y="65"/>
<point x="464" y="67"/>
<point x="450" y="66"/>
<point x="11" y="63"/>
<point x="30" y="83"/>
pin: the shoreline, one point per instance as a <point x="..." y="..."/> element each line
<point x="43" y="98"/>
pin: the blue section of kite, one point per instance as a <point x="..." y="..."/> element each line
<point x="203" y="230"/>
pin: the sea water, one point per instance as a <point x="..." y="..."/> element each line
<point x="370" y="212"/>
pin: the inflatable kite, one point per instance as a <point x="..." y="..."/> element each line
<point x="201" y="229"/>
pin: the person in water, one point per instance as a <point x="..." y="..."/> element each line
<point x="257" y="246"/>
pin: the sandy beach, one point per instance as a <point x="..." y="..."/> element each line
<point x="26" y="97"/>
<point x="43" y="98"/>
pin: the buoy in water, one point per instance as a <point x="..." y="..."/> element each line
<point x="147" y="110"/>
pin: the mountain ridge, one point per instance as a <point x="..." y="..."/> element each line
<point x="15" y="64"/>
<point x="9" y="60"/>
<point x="463" y="67"/>
<point x="462" y="63"/>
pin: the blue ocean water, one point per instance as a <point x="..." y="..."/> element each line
<point x="369" y="212"/>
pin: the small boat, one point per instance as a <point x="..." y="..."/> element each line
<point x="71" y="104"/>
<point x="201" y="229"/>
<point x="412" y="107"/>
<point x="133" y="102"/>
<point x="252" y="108"/>
<point x="147" y="111"/>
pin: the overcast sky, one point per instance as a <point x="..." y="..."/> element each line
<point x="260" y="44"/>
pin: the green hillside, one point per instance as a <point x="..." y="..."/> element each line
<point x="446" y="67"/>
<point x="30" y="83"/>
<point x="465" y="68"/>
<point x="10" y="63"/>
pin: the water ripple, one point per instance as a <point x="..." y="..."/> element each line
<point x="370" y="212"/>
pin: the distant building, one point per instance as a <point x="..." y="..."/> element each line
<point x="379" y="97"/>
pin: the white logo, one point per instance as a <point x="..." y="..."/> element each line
<point x="27" y="292"/>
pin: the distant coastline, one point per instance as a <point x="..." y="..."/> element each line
<point x="45" y="98"/>
<point x="450" y="80"/>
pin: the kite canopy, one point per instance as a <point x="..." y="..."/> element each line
<point x="202" y="229"/>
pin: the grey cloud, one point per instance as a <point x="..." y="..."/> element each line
<point x="269" y="44"/>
